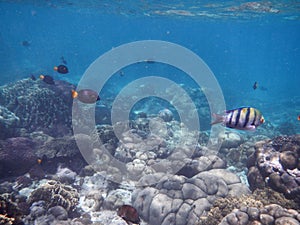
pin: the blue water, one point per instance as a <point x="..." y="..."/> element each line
<point x="262" y="47"/>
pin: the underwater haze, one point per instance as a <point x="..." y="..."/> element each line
<point x="165" y="172"/>
<point x="240" y="42"/>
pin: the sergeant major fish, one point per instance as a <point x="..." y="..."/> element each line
<point x="244" y="118"/>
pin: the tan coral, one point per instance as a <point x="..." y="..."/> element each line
<point x="54" y="193"/>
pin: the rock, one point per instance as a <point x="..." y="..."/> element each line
<point x="276" y="163"/>
<point x="203" y="163"/>
<point x="17" y="156"/>
<point x="230" y="139"/>
<point x="108" y="217"/>
<point x="266" y="219"/>
<point x="256" y="216"/>
<point x="253" y="213"/>
<point x="58" y="212"/>
<point x="255" y="178"/>
<point x="92" y="201"/>
<point x="227" y="176"/>
<point x="286" y="221"/>
<point x="65" y="175"/>
<point x="288" y="160"/>
<point x="166" y="115"/>
<point x="236" y="217"/>
<point x="37" y="209"/>
<point x="116" y="198"/>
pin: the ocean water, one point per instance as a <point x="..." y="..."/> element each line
<point x="242" y="42"/>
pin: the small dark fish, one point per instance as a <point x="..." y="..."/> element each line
<point x="263" y="88"/>
<point x="299" y="117"/>
<point x="87" y="96"/>
<point x="63" y="60"/>
<point x="129" y="214"/>
<point x="244" y="118"/>
<point x="121" y="73"/>
<point x="26" y="43"/>
<point x="32" y="77"/>
<point x="47" y="79"/>
<point x="255" y="85"/>
<point x="61" y="69"/>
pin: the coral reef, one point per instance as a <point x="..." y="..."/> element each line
<point x="16" y="156"/>
<point x="270" y="214"/>
<point x="60" y="150"/>
<point x="10" y="213"/>
<point x="172" y="177"/>
<point x="20" y="155"/>
<point x="276" y="163"/>
<point x="55" y="194"/>
<point x="8" y="122"/>
<point x="166" y="115"/>
<point x="38" y="106"/>
<point x="176" y="199"/>
<point x="252" y="209"/>
<point x="5" y="220"/>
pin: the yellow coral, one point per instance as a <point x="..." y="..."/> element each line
<point x="6" y="220"/>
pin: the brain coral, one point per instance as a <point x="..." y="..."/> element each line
<point x="54" y="193"/>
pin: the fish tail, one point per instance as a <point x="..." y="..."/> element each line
<point x="218" y="119"/>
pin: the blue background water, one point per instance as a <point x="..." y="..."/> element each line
<point x="239" y="51"/>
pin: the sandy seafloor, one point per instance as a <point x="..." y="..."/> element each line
<point x="63" y="161"/>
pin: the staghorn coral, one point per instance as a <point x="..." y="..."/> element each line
<point x="56" y="194"/>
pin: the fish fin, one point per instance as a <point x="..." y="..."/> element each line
<point x="250" y="128"/>
<point x="218" y="119"/>
<point x="74" y="94"/>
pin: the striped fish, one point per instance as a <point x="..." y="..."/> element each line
<point x="244" y="118"/>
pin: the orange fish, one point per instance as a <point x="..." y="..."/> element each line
<point x="299" y="117"/>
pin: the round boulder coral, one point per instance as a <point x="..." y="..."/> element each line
<point x="180" y="200"/>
